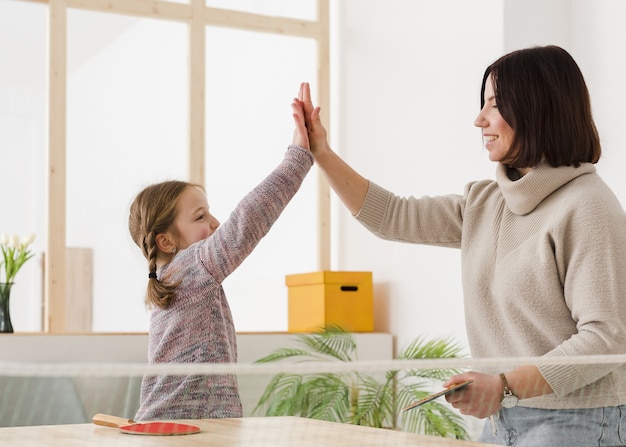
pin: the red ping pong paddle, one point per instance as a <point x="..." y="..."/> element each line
<point x="159" y="428"/>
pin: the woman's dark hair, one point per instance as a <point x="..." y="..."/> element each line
<point x="542" y="95"/>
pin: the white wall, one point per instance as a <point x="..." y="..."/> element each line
<point x="408" y="82"/>
<point x="406" y="91"/>
<point x="599" y="43"/>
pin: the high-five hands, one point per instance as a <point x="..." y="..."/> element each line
<point x="316" y="131"/>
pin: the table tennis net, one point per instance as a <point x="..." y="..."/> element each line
<point x="371" y="393"/>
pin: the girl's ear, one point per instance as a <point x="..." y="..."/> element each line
<point x="165" y="242"/>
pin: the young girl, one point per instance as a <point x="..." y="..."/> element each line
<point x="189" y="255"/>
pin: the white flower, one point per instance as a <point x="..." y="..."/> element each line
<point x="27" y="240"/>
<point x="14" y="254"/>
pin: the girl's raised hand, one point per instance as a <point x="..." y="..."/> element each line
<point x="300" y="134"/>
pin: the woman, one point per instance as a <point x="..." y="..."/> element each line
<point x="543" y="254"/>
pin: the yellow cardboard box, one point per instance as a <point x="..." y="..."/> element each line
<point x="319" y="299"/>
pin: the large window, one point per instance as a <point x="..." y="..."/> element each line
<point x="23" y="146"/>
<point x="108" y="101"/>
<point x="126" y="127"/>
<point x="247" y="79"/>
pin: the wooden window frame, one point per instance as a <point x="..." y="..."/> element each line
<point x="197" y="16"/>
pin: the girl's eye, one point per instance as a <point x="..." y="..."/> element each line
<point x="200" y="217"/>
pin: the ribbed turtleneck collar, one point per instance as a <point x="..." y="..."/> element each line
<point x="523" y="195"/>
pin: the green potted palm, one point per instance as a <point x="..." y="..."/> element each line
<point x="374" y="400"/>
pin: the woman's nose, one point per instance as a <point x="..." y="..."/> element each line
<point x="480" y="120"/>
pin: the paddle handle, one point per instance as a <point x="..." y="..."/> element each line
<point x="106" y="420"/>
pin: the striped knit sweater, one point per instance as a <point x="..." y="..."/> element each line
<point x="198" y="327"/>
<point x="543" y="270"/>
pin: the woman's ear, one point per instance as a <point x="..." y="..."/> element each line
<point x="165" y="242"/>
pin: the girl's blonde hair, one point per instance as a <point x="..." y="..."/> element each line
<point x="153" y="212"/>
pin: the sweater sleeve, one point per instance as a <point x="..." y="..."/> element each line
<point x="591" y="258"/>
<point x="254" y="215"/>
<point x="436" y="220"/>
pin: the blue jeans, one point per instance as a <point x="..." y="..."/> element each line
<point x="534" y="427"/>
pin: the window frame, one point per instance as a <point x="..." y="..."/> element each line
<point x="197" y="16"/>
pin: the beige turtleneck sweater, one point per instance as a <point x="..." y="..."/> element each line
<point x="544" y="270"/>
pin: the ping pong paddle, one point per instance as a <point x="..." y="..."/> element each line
<point x="448" y="390"/>
<point x="159" y="428"/>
